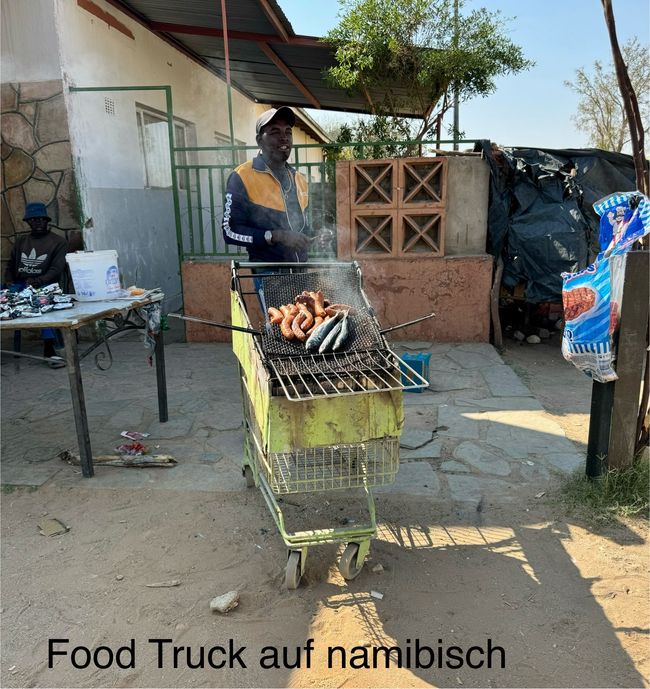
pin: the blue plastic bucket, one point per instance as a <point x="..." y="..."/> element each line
<point x="419" y="363"/>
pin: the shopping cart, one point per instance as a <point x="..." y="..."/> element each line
<point x="316" y="423"/>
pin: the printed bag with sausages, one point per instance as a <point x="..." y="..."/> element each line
<point x="592" y="297"/>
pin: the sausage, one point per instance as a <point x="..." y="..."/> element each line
<point x="306" y="299"/>
<point x="308" y="320"/>
<point x="319" y="298"/>
<point x="276" y="315"/>
<point x="335" y="308"/>
<point x="296" y="327"/>
<point x="285" y="326"/>
<point x="317" y="321"/>
<point x="342" y="307"/>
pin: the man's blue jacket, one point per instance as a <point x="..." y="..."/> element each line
<point x="255" y="203"/>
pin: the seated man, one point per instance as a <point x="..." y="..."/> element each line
<point x="38" y="259"/>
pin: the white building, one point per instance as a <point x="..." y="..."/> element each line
<point x="100" y="159"/>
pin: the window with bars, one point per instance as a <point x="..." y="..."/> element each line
<point x="154" y="147"/>
<point x="226" y="157"/>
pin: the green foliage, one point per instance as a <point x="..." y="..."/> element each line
<point x="618" y="492"/>
<point x="601" y="113"/>
<point x="405" y="56"/>
<point x="378" y="129"/>
<point x="9" y="488"/>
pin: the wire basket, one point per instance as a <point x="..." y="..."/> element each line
<point x="332" y="467"/>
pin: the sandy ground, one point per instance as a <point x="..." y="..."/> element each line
<point x="568" y="606"/>
<point x="543" y="370"/>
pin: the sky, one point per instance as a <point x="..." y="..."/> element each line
<point x="533" y="108"/>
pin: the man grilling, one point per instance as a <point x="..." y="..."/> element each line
<point x="266" y="199"/>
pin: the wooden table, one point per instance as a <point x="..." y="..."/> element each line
<point x="70" y="320"/>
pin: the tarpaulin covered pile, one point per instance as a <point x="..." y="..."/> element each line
<point x="541" y="218"/>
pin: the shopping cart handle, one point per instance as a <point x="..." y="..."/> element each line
<point x="225" y="326"/>
<point x="403" y="325"/>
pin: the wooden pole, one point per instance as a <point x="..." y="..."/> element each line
<point x="630" y="360"/>
<point x="497" y="333"/>
<point x="630" y="102"/>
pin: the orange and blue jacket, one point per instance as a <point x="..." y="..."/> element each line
<point x="254" y="204"/>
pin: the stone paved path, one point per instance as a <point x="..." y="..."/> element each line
<point x="476" y="434"/>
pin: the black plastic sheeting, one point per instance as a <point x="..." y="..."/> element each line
<point x="541" y="218"/>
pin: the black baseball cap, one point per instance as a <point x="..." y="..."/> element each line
<point x="285" y="112"/>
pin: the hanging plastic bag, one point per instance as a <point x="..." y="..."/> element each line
<point x="592" y="297"/>
<point x="586" y="341"/>
<point x="624" y="218"/>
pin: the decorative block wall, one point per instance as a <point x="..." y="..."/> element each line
<point x="391" y="208"/>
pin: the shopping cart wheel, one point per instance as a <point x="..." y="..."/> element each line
<point x="292" y="573"/>
<point x="248" y="476"/>
<point x="348" y="564"/>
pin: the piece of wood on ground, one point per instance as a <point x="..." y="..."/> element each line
<point x="135" y="461"/>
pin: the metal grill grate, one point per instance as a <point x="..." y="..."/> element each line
<point x="364" y="335"/>
<point x="340" y="285"/>
<point x="335" y="375"/>
<point x="366" y="364"/>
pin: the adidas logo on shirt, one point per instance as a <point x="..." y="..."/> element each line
<point x="31" y="265"/>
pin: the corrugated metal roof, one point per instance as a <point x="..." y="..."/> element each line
<point x="264" y="50"/>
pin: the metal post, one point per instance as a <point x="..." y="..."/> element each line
<point x="456" y="99"/>
<point x="224" y="24"/>
<point x="78" y="401"/>
<point x="175" y="196"/>
<point x="600" y="419"/>
<point x="161" y="379"/>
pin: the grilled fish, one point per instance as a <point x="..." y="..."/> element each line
<point x="318" y="336"/>
<point x="343" y="333"/>
<point x="330" y="339"/>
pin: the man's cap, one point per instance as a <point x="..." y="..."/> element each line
<point x="36" y="210"/>
<point x="285" y="112"/>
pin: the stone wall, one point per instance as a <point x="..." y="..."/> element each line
<point x="36" y="160"/>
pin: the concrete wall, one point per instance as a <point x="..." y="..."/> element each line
<point x="153" y="262"/>
<point x="29" y="48"/>
<point x="206" y="294"/>
<point x="468" y="181"/>
<point x="457" y="289"/>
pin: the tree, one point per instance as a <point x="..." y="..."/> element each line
<point x="376" y="129"/>
<point x="406" y="56"/>
<point x="601" y="108"/>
